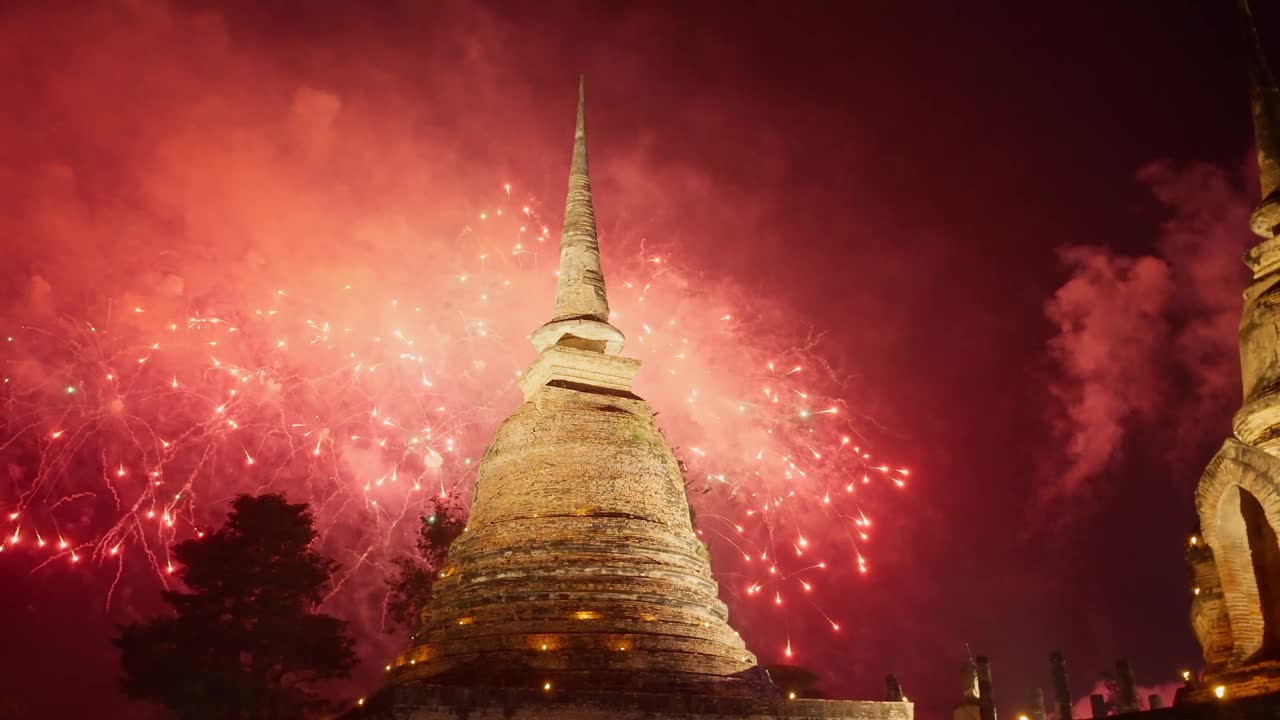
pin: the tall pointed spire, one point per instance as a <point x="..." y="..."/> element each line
<point x="1266" y="127"/>
<point x="580" y="588"/>
<point x="581" y="317"/>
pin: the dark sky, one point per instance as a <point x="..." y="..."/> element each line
<point x="1016" y="224"/>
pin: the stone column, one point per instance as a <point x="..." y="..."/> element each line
<point x="986" y="700"/>
<point x="1128" y="700"/>
<point x="1037" y="704"/>
<point x="1061" y="689"/>
<point x="1098" y="704"/>
<point x="892" y="690"/>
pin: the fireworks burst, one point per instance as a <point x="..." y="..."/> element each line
<point x="129" y="423"/>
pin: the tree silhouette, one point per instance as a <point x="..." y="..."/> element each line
<point x="244" y="641"/>
<point x="410" y="587"/>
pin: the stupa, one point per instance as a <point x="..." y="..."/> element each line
<point x="1234" y="556"/>
<point x="579" y="590"/>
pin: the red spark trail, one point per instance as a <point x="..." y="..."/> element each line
<point x="360" y="398"/>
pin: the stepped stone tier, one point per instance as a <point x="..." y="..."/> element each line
<point x="579" y="589"/>
<point x="1235" y="556"/>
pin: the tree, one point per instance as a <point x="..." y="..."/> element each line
<point x="245" y="640"/>
<point x="410" y="587"/>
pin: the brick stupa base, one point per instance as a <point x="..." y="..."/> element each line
<point x="437" y="702"/>
<point x="1246" y="681"/>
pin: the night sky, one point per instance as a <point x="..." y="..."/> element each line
<point x="1016" y="228"/>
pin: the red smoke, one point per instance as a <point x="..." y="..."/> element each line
<point x="1131" y="329"/>
<point x="1083" y="708"/>
<point x="233" y="274"/>
<point x="791" y="166"/>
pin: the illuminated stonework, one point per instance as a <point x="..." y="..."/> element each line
<point x="579" y="540"/>
<point x="1235" y="558"/>
<point x="580" y="589"/>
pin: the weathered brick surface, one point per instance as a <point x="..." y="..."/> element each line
<point x="579" y="560"/>
<point x="449" y="703"/>
<point x="1241" y="681"/>
<point x="1209" y="618"/>
<point x="1236" y="467"/>
<point x="1227" y="613"/>
<point x="574" y="366"/>
<point x="1185" y="708"/>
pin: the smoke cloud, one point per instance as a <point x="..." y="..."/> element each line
<point x="1131" y="328"/>
<point x="236" y="263"/>
<point x="1083" y="707"/>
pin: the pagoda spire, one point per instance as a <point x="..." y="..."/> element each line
<point x="581" y="316"/>
<point x="1230" y="623"/>
<point x="1265" y="95"/>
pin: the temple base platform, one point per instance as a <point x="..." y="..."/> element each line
<point x="438" y="702"/>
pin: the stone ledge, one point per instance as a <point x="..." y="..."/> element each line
<point x="583" y="367"/>
<point x="434" y="702"/>
<point x="1242" y="680"/>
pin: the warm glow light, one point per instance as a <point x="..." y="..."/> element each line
<point x="353" y="384"/>
<point x="1220" y="691"/>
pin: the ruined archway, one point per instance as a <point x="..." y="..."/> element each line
<point x="1264" y="551"/>
<point x="1239" y="506"/>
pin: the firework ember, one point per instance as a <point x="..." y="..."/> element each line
<point x="940" y="315"/>
<point x="135" y="420"/>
